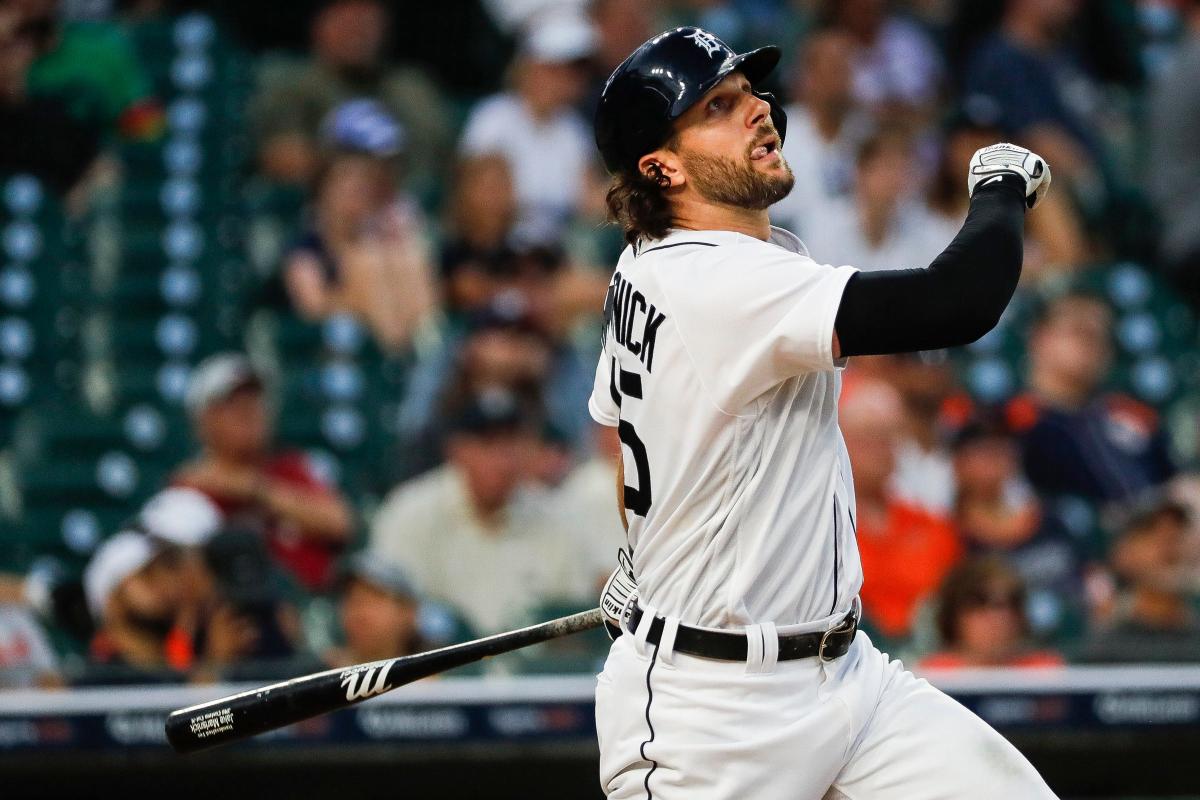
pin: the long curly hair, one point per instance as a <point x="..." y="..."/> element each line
<point x="639" y="204"/>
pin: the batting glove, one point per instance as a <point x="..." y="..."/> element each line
<point x="616" y="597"/>
<point x="999" y="159"/>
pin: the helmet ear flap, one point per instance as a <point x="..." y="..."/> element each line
<point x="778" y="115"/>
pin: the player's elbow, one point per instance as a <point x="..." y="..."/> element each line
<point x="975" y="323"/>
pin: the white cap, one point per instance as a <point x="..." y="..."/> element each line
<point x="122" y="555"/>
<point x="181" y="516"/>
<point x="217" y="377"/>
<point x="558" y="38"/>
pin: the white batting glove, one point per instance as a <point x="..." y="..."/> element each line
<point x="615" y="600"/>
<point x="998" y="159"/>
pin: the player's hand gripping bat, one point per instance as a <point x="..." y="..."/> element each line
<point x="240" y="716"/>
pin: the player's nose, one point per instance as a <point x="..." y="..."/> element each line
<point x="758" y="111"/>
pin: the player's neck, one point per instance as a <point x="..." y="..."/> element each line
<point x="704" y="216"/>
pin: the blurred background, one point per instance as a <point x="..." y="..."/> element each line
<point x="299" y="316"/>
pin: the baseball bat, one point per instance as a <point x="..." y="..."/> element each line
<point x="240" y="716"/>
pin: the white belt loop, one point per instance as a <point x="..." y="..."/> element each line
<point x="643" y="628"/>
<point x="754" y="648"/>
<point x="762" y="648"/>
<point x="770" y="637"/>
<point x="666" y="645"/>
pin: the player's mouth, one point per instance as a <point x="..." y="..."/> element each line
<point x="766" y="149"/>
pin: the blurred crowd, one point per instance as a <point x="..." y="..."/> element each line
<point x="454" y="208"/>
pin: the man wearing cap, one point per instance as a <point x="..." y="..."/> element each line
<point x="211" y="634"/>
<point x="274" y="492"/>
<point x="1154" y="618"/>
<point x="366" y="250"/>
<point x="740" y="670"/>
<point x="473" y="533"/>
<point x="502" y="346"/>
<point x="133" y="592"/>
<point x="536" y="128"/>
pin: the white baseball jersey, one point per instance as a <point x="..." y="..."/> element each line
<point x="717" y="368"/>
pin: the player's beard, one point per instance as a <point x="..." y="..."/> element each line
<point x="734" y="182"/>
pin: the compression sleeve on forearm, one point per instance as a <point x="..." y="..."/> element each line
<point x="956" y="299"/>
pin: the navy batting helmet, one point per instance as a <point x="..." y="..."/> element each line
<point x="663" y="79"/>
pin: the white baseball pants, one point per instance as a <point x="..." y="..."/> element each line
<point x="677" y="727"/>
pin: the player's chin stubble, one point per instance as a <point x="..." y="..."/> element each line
<point x="736" y="183"/>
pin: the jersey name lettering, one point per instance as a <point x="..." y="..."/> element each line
<point x="622" y="307"/>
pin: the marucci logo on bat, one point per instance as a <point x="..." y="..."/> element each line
<point x="363" y="683"/>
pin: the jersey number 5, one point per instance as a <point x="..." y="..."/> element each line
<point x="629" y="384"/>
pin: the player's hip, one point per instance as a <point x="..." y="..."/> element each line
<point x="697" y="727"/>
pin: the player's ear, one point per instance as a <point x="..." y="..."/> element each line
<point x="662" y="166"/>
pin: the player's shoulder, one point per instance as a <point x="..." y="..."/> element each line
<point x="694" y="248"/>
<point x="697" y="269"/>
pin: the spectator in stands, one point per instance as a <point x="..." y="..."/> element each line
<point x="981" y="620"/>
<point x="482" y="258"/>
<point x="825" y="128"/>
<point x="997" y="513"/>
<point x="897" y="68"/>
<point x="890" y="532"/>
<point x="994" y="508"/>
<point x="924" y="474"/>
<point x="883" y="225"/>
<point x="347" y="62"/>
<point x="91" y="68"/>
<point x="37" y="136"/>
<point x="1023" y="68"/>
<point x="1155" y="619"/>
<point x="536" y="127"/>
<point x="134" y="592"/>
<point x="232" y="607"/>
<point x="377" y="610"/>
<point x="186" y="519"/>
<point x="249" y="629"/>
<point x="258" y="486"/>
<point x="505" y="346"/>
<point x="1173" y="180"/>
<point x="500" y="350"/>
<point x="366" y="252"/>
<point x="1055" y="242"/>
<point x="1078" y="439"/>
<point x="474" y="533"/>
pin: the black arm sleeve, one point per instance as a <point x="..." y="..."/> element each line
<point x="953" y="301"/>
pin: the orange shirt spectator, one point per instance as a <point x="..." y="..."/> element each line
<point x="906" y="558"/>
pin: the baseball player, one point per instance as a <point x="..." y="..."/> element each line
<point x="740" y="672"/>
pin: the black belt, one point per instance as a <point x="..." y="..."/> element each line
<point x="728" y="646"/>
